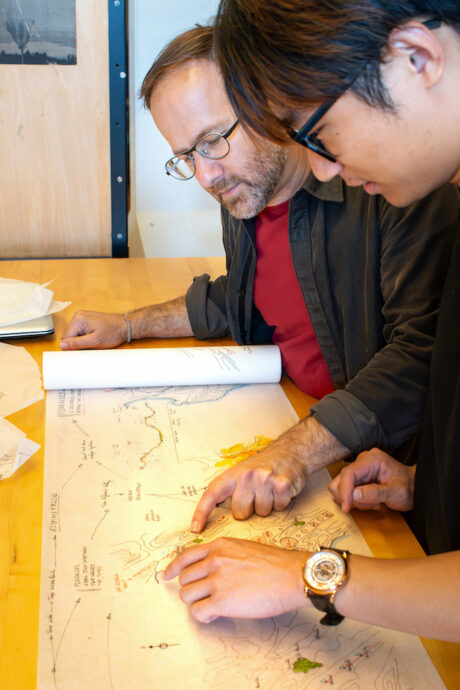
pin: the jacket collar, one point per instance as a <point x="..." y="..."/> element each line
<point x="326" y="191"/>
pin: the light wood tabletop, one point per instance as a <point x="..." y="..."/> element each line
<point x="119" y="285"/>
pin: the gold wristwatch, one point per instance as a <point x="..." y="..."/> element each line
<point x="325" y="572"/>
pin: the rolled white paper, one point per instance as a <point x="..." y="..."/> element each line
<point x="182" y="366"/>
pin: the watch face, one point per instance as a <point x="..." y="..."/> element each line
<point x="325" y="570"/>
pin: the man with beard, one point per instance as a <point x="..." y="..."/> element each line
<point x="315" y="268"/>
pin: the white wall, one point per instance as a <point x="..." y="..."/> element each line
<point x="174" y="218"/>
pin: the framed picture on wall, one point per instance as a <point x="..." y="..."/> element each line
<point x="38" y="33"/>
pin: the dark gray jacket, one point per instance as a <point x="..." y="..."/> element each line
<point x="371" y="275"/>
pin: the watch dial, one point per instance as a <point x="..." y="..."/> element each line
<point x="324" y="570"/>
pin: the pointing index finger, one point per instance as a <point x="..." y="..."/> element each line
<point x="218" y="490"/>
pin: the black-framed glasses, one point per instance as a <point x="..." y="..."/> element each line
<point x="213" y="145"/>
<point x="304" y="137"/>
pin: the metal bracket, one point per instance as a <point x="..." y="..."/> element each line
<point x="118" y="87"/>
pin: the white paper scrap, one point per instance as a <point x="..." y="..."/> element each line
<point x="22" y="301"/>
<point x="180" y="366"/>
<point x="20" y="382"/>
<point x="15" y="448"/>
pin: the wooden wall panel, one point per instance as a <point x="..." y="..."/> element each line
<point x="55" y="149"/>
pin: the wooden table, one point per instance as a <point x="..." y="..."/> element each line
<point x="119" y="285"/>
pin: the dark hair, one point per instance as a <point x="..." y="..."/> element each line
<point x="278" y="54"/>
<point x="194" y="44"/>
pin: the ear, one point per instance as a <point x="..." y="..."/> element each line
<point x="422" y="49"/>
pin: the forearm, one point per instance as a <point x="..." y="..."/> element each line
<point x="312" y="444"/>
<point x="166" y="320"/>
<point x="419" y="596"/>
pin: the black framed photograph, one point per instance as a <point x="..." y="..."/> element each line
<point x="38" y="32"/>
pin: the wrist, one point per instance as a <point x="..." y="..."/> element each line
<point x="319" y="447"/>
<point x="299" y="559"/>
<point x="326" y="573"/>
<point x="128" y="327"/>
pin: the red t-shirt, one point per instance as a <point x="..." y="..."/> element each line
<point x="279" y="298"/>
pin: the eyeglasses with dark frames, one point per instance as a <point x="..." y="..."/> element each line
<point x="304" y="137"/>
<point x="213" y="146"/>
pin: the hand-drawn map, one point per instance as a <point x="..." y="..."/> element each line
<point x="123" y="471"/>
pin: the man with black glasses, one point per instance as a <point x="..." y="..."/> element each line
<point x="372" y="89"/>
<point x="300" y="258"/>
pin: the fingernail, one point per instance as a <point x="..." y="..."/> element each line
<point x="195" y="526"/>
<point x="63" y="345"/>
<point x="357" y="494"/>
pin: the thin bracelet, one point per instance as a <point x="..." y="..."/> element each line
<point x="128" y="324"/>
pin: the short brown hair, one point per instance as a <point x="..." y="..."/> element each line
<point x="194" y="44"/>
<point x="290" y="54"/>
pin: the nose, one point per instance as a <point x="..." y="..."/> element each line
<point x="322" y="168"/>
<point x="208" y="171"/>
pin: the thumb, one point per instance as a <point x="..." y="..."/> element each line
<point x="80" y="343"/>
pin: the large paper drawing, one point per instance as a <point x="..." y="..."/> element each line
<point x="123" y="472"/>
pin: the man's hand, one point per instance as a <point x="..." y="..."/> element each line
<point x="239" y="579"/>
<point x="267" y="481"/>
<point x="272" y="478"/>
<point x="372" y="480"/>
<point x="94" y="329"/>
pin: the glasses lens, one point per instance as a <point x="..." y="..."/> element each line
<point x="213" y="146"/>
<point x="181" y="167"/>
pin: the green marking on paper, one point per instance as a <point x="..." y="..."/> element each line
<point x="303" y="665"/>
<point x="299" y="523"/>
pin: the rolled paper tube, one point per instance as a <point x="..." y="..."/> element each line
<point x="181" y="366"/>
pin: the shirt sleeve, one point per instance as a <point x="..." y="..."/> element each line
<point x="206" y="306"/>
<point x="383" y="404"/>
<point x="206" y="299"/>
